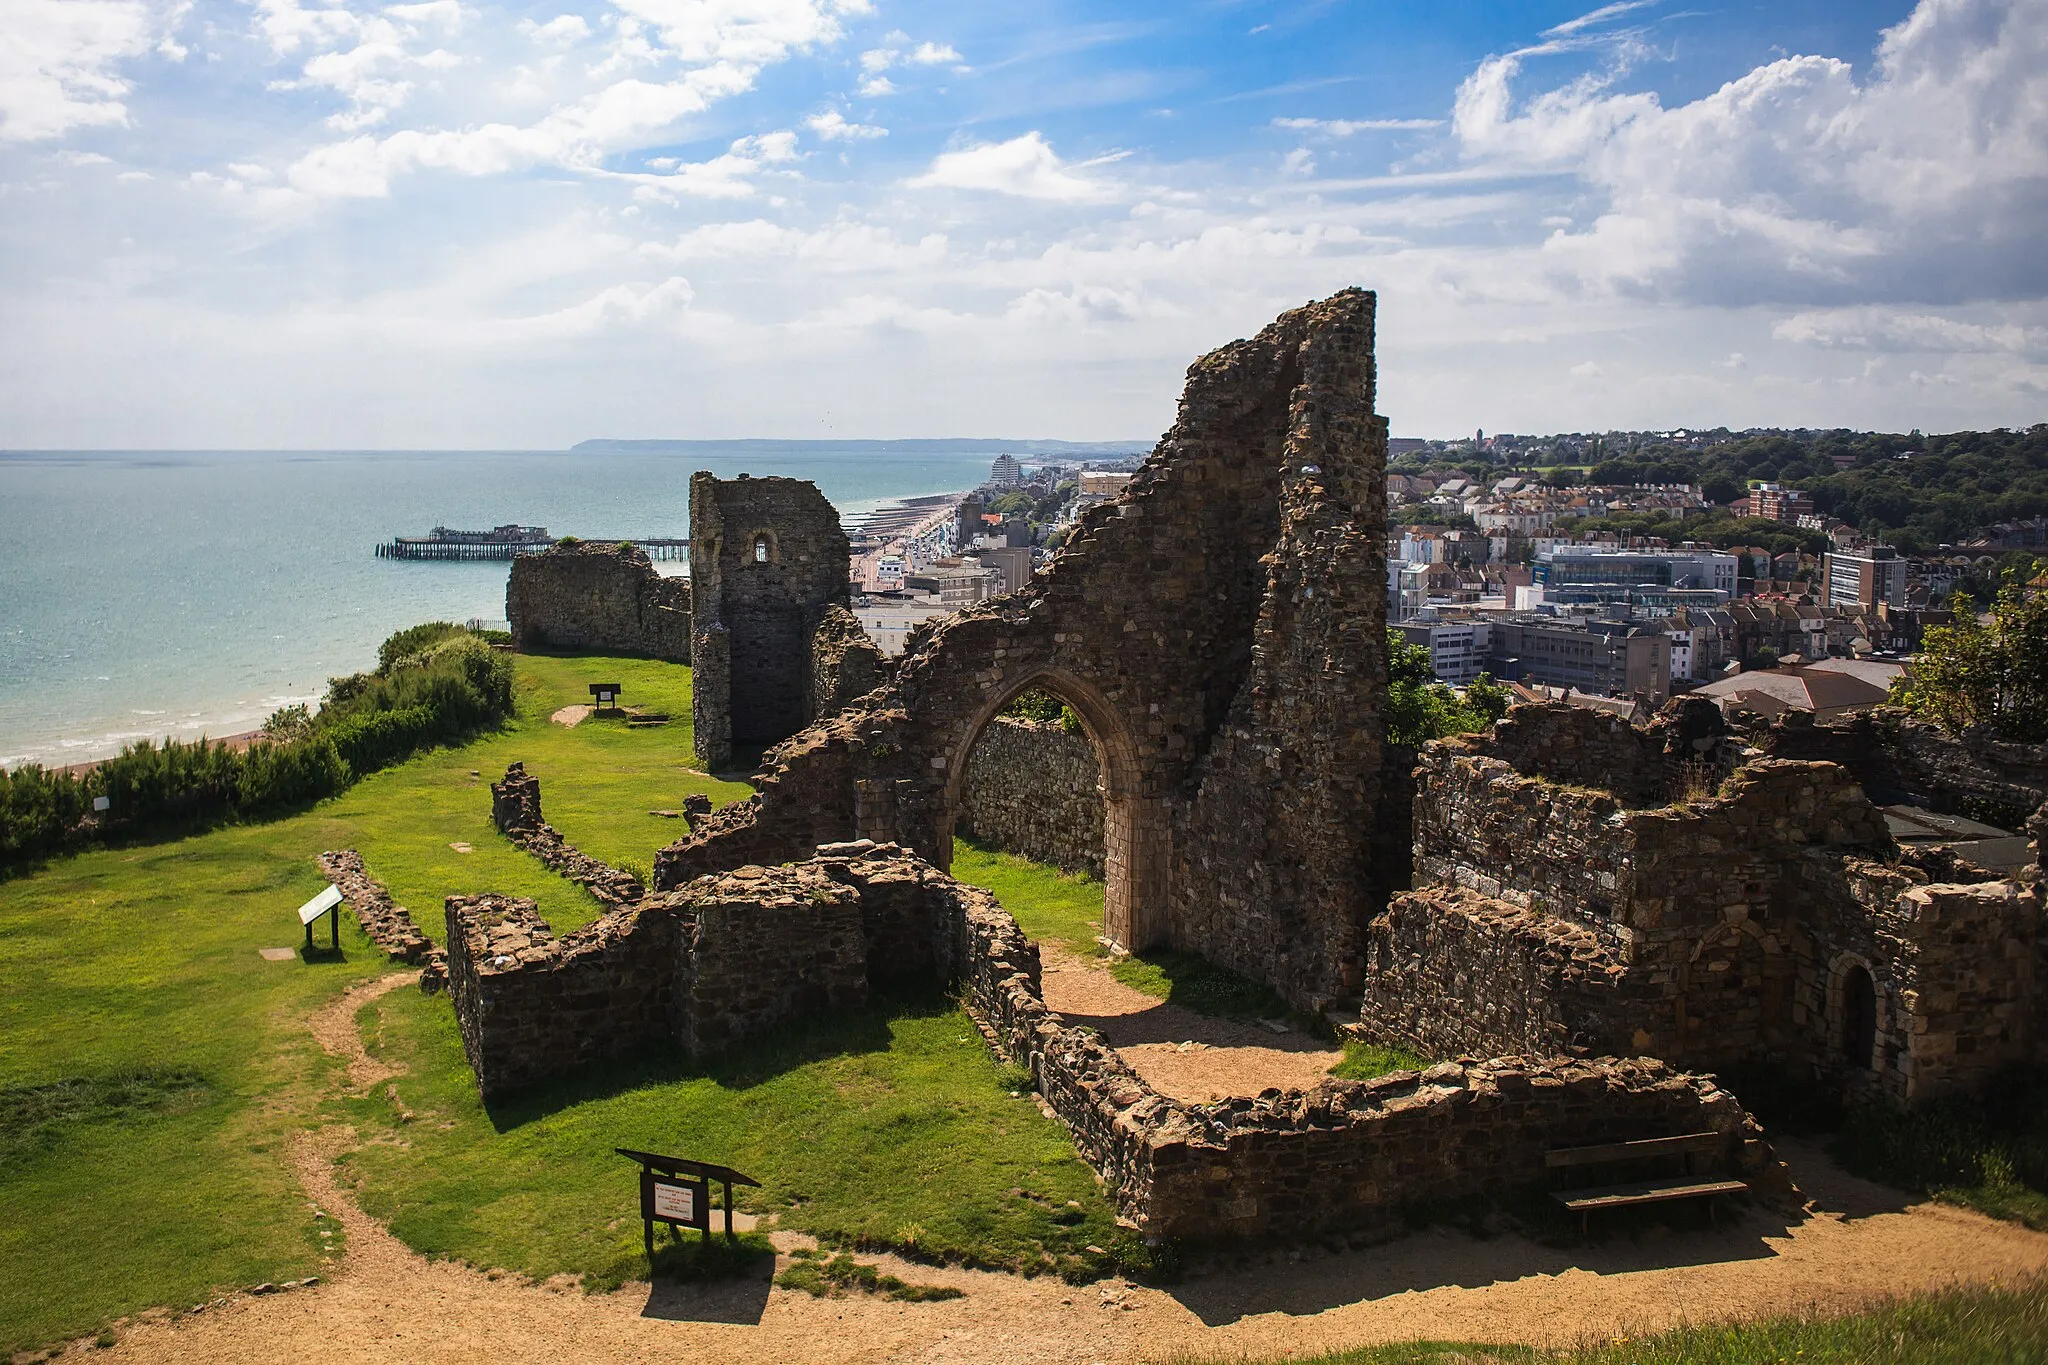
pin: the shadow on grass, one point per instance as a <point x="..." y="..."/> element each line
<point x="1195" y="983"/>
<point x="753" y="1063"/>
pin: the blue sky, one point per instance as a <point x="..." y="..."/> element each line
<point x="304" y="223"/>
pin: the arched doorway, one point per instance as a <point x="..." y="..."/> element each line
<point x="1859" y="1018"/>
<point x="1133" y="823"/>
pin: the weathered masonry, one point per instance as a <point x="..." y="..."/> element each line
<point x="1033" y="789"/>
<point x="1219" y="629"/>
<point x="707" y="966"/>
<point x="768" y="559"/>
<point x="602" y="597"/>
<point x="1573" y="898"/>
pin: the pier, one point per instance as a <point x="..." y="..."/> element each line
<point x="509" y="542"/>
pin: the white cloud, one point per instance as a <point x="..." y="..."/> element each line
<point x="1024" y="166"/>
<point x="833" y="127"/>
<point x="1587" y="369"/>
<point x="1885" y="329"/>
<point x="879" y="59"/>
<point x="60" y="63"/>
<point x="931" y="54"/>
<point x="1924" y="183"/>
<point x="874" y="87"/>
<point x="561" y="31"/>
<point x="1344" y="127"/>
<point x="1597" y="17"/>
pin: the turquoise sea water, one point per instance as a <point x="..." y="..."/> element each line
<point x="146" y="594"/>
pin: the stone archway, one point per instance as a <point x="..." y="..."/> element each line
<point x="1135" y="833"/>
<point x="1219" y="628"/>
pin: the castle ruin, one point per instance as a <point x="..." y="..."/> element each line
<point x="768" y="559"/>
<point x="597" y="597"/>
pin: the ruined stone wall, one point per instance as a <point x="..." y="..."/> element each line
<point x="765" y="947"/>
<point x="845" y="664"/>
<point x="1577" y="747"/>
<point x="531" y="1006"/>
<point x="1218" y="628"/>
<point x="598" y="597"/>
<point x="389" y="924"/>
<point x="1034" y="790"/>
<point x="1343" y="1154"/>
<point x="1452" y="973"/>
<point x="1899" y="758"/>
<point x="515" y="809"/>
<point x="701" y="969"/>
<point x="767" y="559"/>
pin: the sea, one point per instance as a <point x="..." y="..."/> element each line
<point x="146" y="594"/>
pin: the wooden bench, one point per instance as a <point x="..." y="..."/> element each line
<point x="1682" y="1149"/>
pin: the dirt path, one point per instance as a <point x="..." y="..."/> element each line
<point x="1179" y="1053"/>
<point x="573" y="716"/>
<point x="385" y="1303"/>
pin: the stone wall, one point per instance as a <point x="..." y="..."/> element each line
<point x="515" y="809"/>
<point x="767" y="559"/>
<point x="1454" y="973"/>
<point x="1034" y="790"/>
<point x="767" y="945"/>
<point x="598" y="597"/>
<point x="532" y="1007"/>
<point x="1343" y="1154"/>
<point x="845" y="664"/>
<point x="1899" y="758"/>
<point x="389" y="925"/>
<point x="1712" y="931"/>
<point x="1219" y="630"/>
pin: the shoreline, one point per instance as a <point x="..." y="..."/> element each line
<point x="236" y="742"/>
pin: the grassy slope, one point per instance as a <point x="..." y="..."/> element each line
<point x="146" y="958"/>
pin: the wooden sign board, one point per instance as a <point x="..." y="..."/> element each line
<point x="677" y="1191"/>
<point x="679" y="1203"/>
<point x="605" y="694"/>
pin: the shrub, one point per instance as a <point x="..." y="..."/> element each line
<point x="434" y="684"/>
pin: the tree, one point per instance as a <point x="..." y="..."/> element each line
<point x="1419" y="708"/>
<point x="1994" y="676"/>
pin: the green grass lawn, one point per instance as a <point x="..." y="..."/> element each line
<point x="1063" y="907"/>
<point x="152" y="1066"/>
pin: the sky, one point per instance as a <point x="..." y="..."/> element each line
<point x="336" y="224"/>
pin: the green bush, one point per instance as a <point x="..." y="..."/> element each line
<point x="434" y="684"/>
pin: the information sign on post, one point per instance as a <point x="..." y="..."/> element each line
<point x="328" y="902"/>
<point x="677" y="1191"/>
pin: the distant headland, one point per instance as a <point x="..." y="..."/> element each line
<point x="608" y="445"/>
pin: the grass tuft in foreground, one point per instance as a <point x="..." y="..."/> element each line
<point x="833" y="1277"/>
<point x="1367" y="1061"/>
<point x="1972" y="1326"/>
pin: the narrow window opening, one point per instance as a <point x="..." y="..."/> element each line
<point x="760" y="549"/>
<point x="1859" y="1021"/>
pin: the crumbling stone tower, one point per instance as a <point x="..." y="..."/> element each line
<point x="1220" y="631"/>
<point x="767" y="560"/>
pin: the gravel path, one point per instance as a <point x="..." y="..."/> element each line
<point x="1177" y="1052"/>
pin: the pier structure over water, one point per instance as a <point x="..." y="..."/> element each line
<point x="509" y="542"/>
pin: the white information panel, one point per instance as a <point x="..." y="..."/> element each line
<point x="675" y="1201"/>
<point x="320" y="905"/>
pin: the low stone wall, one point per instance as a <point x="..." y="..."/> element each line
<point x="531" y="1006"/>
<point x="702" y="968"/>
<point x="1454" y="973"/>
<point x="515" y="809"/>
<point x="766" y="945"/>
<point x="1344" y="1153"/>
<point x="1035" y="790"/>
<point x="389" y="924"/>
<point x="598" y="597"/>
<point x="845" y="664"/>
<point x="1576" y="747"/>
